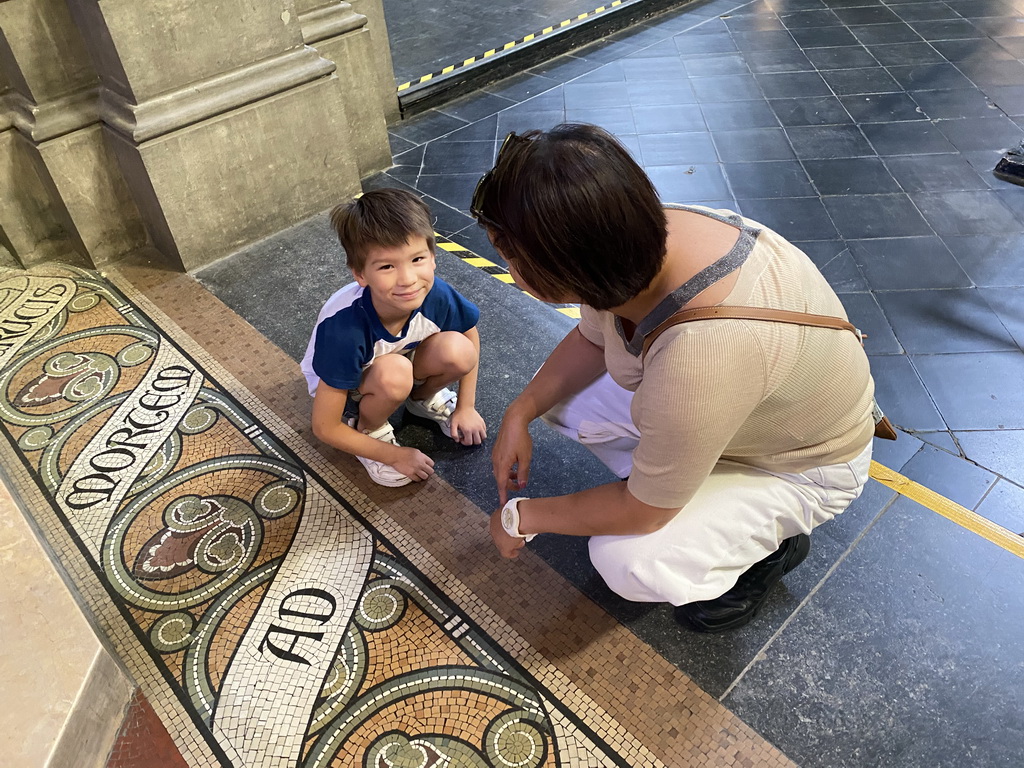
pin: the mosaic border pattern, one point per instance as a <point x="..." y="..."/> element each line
<point x="269" y="622"/>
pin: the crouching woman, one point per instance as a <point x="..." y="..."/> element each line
<point x="734" y="438"/>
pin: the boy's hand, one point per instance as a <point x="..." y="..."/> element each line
<point x="468" y="426"/>
<point x="508" y="546"/>
<point x="414" y="464"/>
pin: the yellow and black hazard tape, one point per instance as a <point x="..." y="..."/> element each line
<point x="508" y="46"/>
<point x="496" y="271"/>
<point x="904" y="486"/>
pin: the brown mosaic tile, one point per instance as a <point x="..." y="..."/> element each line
<point x="143" y="742"/>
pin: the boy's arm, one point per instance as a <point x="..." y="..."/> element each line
<point x="467" y="384"/>
<point x="328" y="426"/>
<point x="467" y="425"/>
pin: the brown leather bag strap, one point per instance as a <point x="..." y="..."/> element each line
<point x="750" y="313"/>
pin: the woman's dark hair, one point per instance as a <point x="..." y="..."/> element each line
<point x="575" y="214"/>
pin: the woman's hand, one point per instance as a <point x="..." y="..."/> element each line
<point x="573" y="364"/>
<point x="508" y="546"/>
<point x="510" y="457"/>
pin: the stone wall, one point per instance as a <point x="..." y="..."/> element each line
<point x="199" y="127"/>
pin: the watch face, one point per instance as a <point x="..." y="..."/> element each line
<point x="508" y="521"/>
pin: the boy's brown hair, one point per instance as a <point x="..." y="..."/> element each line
<point x="382" y="217"/>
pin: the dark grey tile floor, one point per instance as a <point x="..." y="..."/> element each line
<point x="865" y="131"/>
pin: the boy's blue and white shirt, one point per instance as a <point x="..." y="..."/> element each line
<point x="349" y="335"/>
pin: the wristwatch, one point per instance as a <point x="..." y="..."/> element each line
<point x="510" y="519"/>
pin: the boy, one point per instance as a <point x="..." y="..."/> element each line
<point x="397" y="334"/>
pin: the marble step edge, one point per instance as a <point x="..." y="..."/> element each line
<point x="64" y="697"/>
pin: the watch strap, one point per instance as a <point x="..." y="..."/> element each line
<point x="510" y="519"/>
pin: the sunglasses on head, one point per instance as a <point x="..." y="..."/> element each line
<point x="476" y="204"/>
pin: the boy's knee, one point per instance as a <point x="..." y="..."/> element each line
<point x="451" y="350"/>
<point x="389" y="376"/>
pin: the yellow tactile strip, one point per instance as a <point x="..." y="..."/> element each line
<point x="949" y="509"/>
<point x="545" y="630"/>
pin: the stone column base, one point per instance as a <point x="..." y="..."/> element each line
<point x="354" y="56"/>
<point x="66" y="200"/>
<point x="208" y="189"/>
<point x="373" y="10"/>
<point x="100" y="215"/>
<point x="30" y="230"/>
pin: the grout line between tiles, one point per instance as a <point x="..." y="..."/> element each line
<point x="789" y="619"/>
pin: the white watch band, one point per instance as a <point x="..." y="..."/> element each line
<point x="510" y="519"/>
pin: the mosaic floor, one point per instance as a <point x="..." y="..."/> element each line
<point x="270" y="612"/>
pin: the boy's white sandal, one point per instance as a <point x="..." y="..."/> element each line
<point x="437" y="409"/>
<point x="379" y="472"/>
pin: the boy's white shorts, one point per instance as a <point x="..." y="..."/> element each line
<point x="739" y="516"/>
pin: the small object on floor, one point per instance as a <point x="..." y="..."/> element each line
<point x="741" y="603"/>
<point x="438" y="409"/>
<point x="379" y="472"/>
<point x="1011" y="167"/>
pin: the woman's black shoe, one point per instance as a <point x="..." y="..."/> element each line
<point x="740" y="604"/>
<point x="1011" y="167"/>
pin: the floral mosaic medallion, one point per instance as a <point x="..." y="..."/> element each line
<point x="269" y="624"/>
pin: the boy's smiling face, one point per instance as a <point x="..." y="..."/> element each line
<point x="399" y="277"/>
